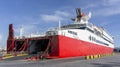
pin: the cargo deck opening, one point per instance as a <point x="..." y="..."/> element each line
<point x="20" y="46"/>
<point x="38" y="46"/>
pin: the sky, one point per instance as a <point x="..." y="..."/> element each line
<point x="39" y="15"/>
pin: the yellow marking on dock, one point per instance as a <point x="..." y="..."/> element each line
<point x="22" y="54"/>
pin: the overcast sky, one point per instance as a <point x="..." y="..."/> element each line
<point x="39" y="15"/>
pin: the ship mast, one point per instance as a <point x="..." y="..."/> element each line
<point x="21" y="31"/>
<point x="59" y="27"/>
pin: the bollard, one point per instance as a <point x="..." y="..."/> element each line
<point x="95" y="56"/>
<point x="91" y="57"/>
<point x="99" y="56"/>
<point x="87" y="57"/>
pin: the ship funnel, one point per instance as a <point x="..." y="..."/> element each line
<point x="81" y="17"/>
<point x="79" y="13"/>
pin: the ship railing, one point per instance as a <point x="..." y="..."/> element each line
<point x="19" y="37"/>
<point x="35" y="35"/>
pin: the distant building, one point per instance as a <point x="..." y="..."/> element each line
<point x="2" y="49"/>
<point x="117" y="49"/>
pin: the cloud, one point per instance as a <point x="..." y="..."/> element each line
<point x="62" y="13"/>
<point x="107" y="11"/>
<point x="111" y="2"/>
<point x="28" y="23"/>
<point x="105" y="23"/>
<point x="27" y="29"/>
<point x="31" y="25"/>
<point x="90" y="6"/>
<point x="25" y="19"/>
<point x="49" y="18"/>
<point x="107" y="8"/>
<point x="104" y="7"/>
<point x="56" y="16"/>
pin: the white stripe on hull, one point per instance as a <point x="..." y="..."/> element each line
<point x="85" y="36"/>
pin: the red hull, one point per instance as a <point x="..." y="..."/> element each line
<point x="63" y="46"/>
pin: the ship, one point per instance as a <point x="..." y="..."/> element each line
<point x="80" y="38"/>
